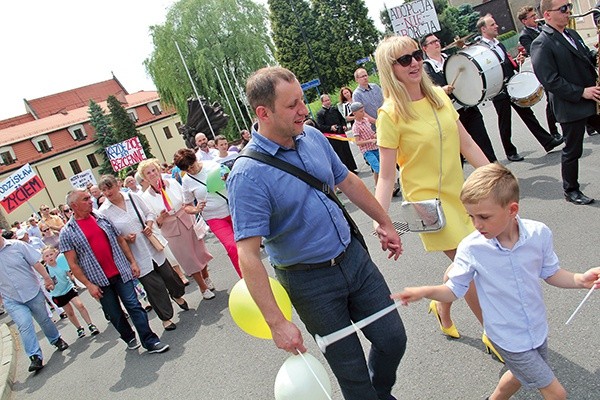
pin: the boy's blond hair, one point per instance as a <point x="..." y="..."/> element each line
<point x="491" y="181"/>
<point x="48" y="247"/>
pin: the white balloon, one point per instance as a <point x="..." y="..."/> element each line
<point x="295" y="381"/>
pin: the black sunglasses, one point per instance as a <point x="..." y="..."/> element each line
<point x="565" y="8"/>
<point x="406" y="59"/>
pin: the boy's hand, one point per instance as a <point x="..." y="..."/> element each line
<point x="408" y="295"/>
<point x="591" y="278"/>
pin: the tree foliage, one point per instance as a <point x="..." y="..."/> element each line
<point x="221" y="35"/>
<point x="339" y="32"/>
<point x="455" y="21"/>
<point x="104" y="134"/>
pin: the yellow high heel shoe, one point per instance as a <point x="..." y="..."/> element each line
<point x="451" y="332"/>
<point x="489" y="348"/>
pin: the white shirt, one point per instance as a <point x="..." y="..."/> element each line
<point x="231" y="155"/>
<point x="216" y="206"/>
<point x="202" y="155"/>
<point x="494" y="45"/>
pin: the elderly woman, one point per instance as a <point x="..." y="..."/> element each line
<point x="213" y="206"/>
<point x="418" y="128"/>
<point x="134" y="220"/>
<point x="164" y="197"/>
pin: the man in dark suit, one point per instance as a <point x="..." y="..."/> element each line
<point x="565" y="66"/>
<point x="531" y="30"/>
<point x="489" y="32"/>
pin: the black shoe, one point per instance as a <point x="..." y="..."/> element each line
<point x="576" y="197"/>
<point x="553" y="144"/>
<point x="158" y="348"/>
<point x="592" y="132"/>
<point x="36" y="363"/>
<point x="184" y="306"/>
<point x="556" y="135"/>
<point x="61" y="345"/>
<point x="64" y="315"/>
<point x="170" y="327"/>
<point x="515" y="157"/>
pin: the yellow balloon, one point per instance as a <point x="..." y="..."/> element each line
<point x="247" y="315"/>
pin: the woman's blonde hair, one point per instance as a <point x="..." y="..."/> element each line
<point x="387" y="52"/>
<point x="147" y="163"/>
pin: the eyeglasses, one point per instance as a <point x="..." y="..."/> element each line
<point x="406" y="59"/>
<point x="45" y="209"/>
<point x="362" y="76"/>
<point x="45" y="230"/>
<point x="434" y="41"/>
<point x="564" y="8"/>
<point x="67" y="210"/>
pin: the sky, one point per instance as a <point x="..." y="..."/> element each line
<point x="50" y="47"/>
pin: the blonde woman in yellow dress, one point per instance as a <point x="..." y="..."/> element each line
<point x="408" y="134"/>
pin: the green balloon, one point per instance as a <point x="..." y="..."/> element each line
<point x="214" y="180"/>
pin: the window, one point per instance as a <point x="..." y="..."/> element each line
<point x="167" y="132"/>
<point x="177" y="125"/>
<point x="7" y="155"/>
<point x="92" y="160"/>
<point x="58" y="173"/>
<point x="77" y="132"/>
<point x="75" y="166"/>
<point x="154" y="107"/>
<point x="132" y="115"/>
<point x="42" y="143"/>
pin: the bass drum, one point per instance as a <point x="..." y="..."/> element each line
<point x="476" y="73"/>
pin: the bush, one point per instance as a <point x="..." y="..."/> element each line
<point x="506" y="35"/>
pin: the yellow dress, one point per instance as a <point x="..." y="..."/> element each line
<point x="418" y="145"/>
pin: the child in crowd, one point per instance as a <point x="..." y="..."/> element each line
<point x="506" y="257"/>
<point x="64" y="292"/>
<point x="365" y="138"/>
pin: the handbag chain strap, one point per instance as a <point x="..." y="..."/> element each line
<point x="441" y="151"/>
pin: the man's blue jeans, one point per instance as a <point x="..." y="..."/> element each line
<point x="328" y="299"/>
<point x="22" y="313"/>
<point x="111" y="306"/>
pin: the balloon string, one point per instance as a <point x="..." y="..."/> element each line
<point x="315" y="375"/>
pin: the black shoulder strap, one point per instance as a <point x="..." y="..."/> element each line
<point x="309" y="180"/>
<point x="136" y="210"/>
<point x="199" y="181"/>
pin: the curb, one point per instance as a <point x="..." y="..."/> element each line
<point x="8" y="363"/>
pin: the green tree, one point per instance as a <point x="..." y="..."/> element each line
<point x="104" y="134"/>
<point x="294" y="28"/>
<point x="348" y="34"/>
<point x="212" y="34"/>
<point x="124" y="128"/>
<point x="384" y="17"/>
<point x="455" y="21"/>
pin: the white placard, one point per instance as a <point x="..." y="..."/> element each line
<point x="82" y="179"/>
<point x="414" y="19"/>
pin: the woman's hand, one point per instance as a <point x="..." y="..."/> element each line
<point x="130" y="238"/>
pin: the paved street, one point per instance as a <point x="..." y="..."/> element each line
<point x="211" y="358"/>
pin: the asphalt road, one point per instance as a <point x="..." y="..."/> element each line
<point x="211" y="358"/>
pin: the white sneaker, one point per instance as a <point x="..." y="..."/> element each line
<point x="209" y="284"/>
<point x="208" y="295"/>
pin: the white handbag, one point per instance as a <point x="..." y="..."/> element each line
<point x="200" y="227"/>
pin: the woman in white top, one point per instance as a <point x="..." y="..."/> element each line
<point x="126" y="211"/>
<point x="164" y="197"/>
<point x="213" y="206"/>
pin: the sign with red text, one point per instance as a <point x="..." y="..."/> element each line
<point x="125" y="154"/>
<point x="19" y="187"/>
<point x="414" y="19"/>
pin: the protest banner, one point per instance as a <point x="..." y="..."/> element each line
<point x="82" y="179"/>
<point x="415" y="19"/>
<point x="19" y="187"/>
<point x="125" y="154"/>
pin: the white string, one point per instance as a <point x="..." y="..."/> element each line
<point x="580" y="304"/>
<point x="314" y="374"/>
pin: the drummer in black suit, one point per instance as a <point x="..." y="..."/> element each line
<point x="566" y="68"/>
<point x="531" y="30"/>
<point x="489" y="32"/>
<point x="470" y="117"/>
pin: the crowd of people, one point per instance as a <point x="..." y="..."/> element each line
<point x="150" y="227"/>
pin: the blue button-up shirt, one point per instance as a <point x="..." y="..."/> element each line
<point x="72" y="238"/>
<point x="18" y="279"/>
<point x="508" y="283"/>
<point x="299" y="223"/>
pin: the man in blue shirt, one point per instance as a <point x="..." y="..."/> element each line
<point x="329" y="276"/>
<point x="23" y="298"/>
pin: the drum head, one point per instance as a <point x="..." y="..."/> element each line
<point x="522" y="85"/>
<point x="468" y="85"/>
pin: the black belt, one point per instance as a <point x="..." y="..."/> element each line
<point x="306" y="267"/>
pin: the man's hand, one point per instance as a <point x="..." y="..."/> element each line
<point x="591" y="278"/>
<point x="135" y="270"/>
<point x="94" y="291"/>
<point x="48" y="283"/>
<point x="287" y="337"/>
<point x="389" y="240"/>
<point x="591" y="93"/>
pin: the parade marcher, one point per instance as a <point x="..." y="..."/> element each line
<point x="566" y="68"/>
<point x="23" y="298"/>
<point x="328" y="274"/>
<point x="470" y="117"/>
<point x="489" y="32"/>
<point x="102" y="261"/>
